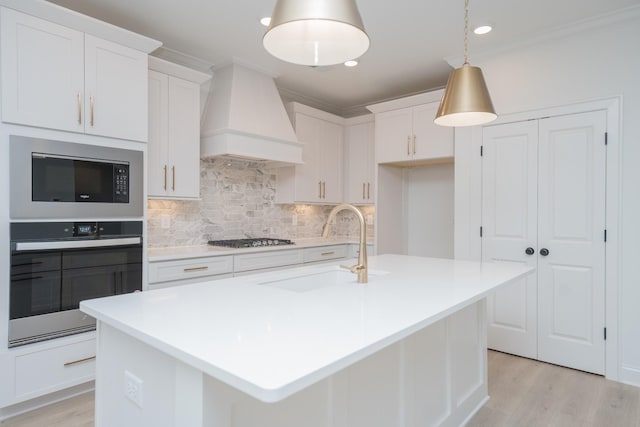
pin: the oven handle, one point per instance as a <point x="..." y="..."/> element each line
<point x="34" y="246"/>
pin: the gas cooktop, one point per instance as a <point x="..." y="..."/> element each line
<point x="251" y="243"/>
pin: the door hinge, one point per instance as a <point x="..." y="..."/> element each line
<point x="480" y="231"/>
<point x="605" y="235"/>
<point x="605" y="334"/>
<point x="481" y="150"/>
<point x="606" y="138"/>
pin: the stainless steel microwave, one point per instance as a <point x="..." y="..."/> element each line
<point x="56" y="179"/>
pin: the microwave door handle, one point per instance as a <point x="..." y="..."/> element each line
<point x="33" y="246"/>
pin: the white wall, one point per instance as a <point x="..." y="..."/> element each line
<point x="415" y="215"/>
<point x="430" y="211"/>
<point x="602" y="62"/>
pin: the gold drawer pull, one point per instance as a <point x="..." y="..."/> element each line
<point x="79" y="109"/>
<point x="91" y="102"/>
<point x="328" y="253"/>
<point x="192" y="269"/>
<point x="165" y="177"/>
<point x="75" y="362"/>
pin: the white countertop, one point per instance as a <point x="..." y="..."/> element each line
<point x="271" y="343"/>
<point x="183" y="252"/>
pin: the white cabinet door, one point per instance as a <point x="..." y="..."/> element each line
<point x="394" y="136"/>
<point x="157" y="149"/>
<point x="544" y="189"/>
<point x="42" y="72"/>
<point x="430" y="140"/>
<point x="184" y="137"/>
<point x="409" y="134"/>
<point x="359" y="163"/>
<point x="308" y="186"/>
<point x="116" y="90"/>
<point x="59" y="78"/>
<point x="330" y="167"/>
<point x="571" y="220"/>
<point x="509" y="227"/>
<point x="174" y="137"/>
<point x="319" y="179"/>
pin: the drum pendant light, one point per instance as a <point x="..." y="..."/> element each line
<point x="466" y="100"/>
<point x="316" y="32"/>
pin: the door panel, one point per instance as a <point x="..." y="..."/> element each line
<point x="571" y="226"/>
<point x="509" y="228"/>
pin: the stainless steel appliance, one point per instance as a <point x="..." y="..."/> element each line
<point x="55" y="265"/>
<point x="250" y="243"/>
<point x="55" y="179"/>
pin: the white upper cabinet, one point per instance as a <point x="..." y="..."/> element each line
<point x="319" y="179"/>
<point x="174" y="132"/>
<point x="115" y="94"/>
<point x="409" y="135"/>
<point x="59" y="78"/>
<point x="359" y="163"/>
<point x="42" y="72"/>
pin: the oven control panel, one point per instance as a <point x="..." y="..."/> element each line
<point x="85" y="229"/>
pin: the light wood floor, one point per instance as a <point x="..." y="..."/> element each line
<point x="523" y="393"/>
<point x="529" y="393"/>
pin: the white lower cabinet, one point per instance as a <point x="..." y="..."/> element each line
<point x="184" y="271"/>
<point x="264" y="260"/>
<point x="163" y="274"/>
<point x="34" y="370"/>
<point x="325" y="253"/>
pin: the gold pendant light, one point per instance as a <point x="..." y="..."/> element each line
<point x="466" y="100"/>
<point x="316" y="32"/>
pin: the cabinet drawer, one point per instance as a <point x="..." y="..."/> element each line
<point x="325" y="253"/>
<point x="55" y="368"/>
<point x="165" y="271"/>
<point x="261" y="260"/>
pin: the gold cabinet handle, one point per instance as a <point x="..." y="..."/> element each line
<point x="91" y="104"/>
<point x="192" y="269"/>
<point x="363" y="190"/>
<point x="173" y="178"/>
<point x="408" y="145"/>
<point x="414" y="144"/>
<point x="79" y="109"/>
<point x="76" y="362"/>
<point x="368" y="190"/>
<point x="319" y="189"/>
<point x="327" y="253"/>
<point x="324" y="189"/>
<point x="165" y="177"/>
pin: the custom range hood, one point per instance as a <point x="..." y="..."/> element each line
<point x="245" y="118"/>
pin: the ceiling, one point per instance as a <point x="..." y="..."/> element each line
<point x="409" y="40"/>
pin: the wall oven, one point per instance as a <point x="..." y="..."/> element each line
<point x="55" y="179"/>
<point x="55" y="265"/>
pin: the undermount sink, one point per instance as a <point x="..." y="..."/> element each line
<point x="317" y="280"/>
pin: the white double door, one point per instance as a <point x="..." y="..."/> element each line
<point x="543" y="195"/>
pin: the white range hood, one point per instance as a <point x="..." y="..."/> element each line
<point x="245" y="118"/>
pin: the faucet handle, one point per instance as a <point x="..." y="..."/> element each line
<point x="353" y="268"/>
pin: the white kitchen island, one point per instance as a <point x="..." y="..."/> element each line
<point x="301" y="347"/>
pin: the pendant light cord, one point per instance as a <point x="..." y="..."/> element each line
<point x="466" y="32"/>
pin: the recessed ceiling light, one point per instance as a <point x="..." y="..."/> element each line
<point x="265" y="21"/>
<point x="351" y="63"/>
<point x="482" y="29"/>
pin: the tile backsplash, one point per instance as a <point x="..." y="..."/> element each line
<point x="237" y="202"/>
